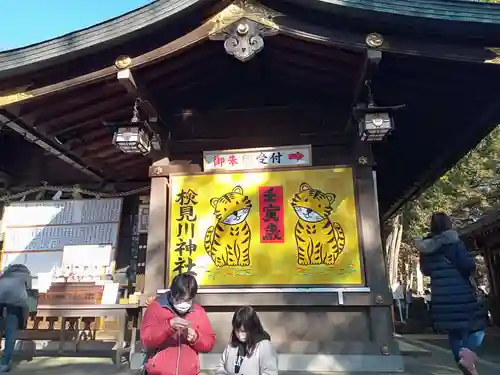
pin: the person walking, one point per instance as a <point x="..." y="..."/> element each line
<point x="428" y="309"/>
<point x="408" y="302"/>
<point x="427" y="300"/>
<point x="398" y="296"/>
<point x="455" y="306"/>
<point x="15" y="282"/>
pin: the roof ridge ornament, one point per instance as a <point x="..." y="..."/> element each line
<point x="123" y="62"/>
<point x="374" y="40"/>
<point x="242" y="26"/>
<point x="496" y="59"/>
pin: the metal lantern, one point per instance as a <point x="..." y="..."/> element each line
<point x="375" y="126"/>
<point x="375" y="123"/>
<point x="133" y="139"/>
<point x="135" y="136"/>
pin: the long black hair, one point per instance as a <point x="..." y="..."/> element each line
<point x="246" y="318"/>
<point x="440" y="222"/>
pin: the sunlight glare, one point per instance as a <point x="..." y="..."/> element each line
<point x="244" y="179"/>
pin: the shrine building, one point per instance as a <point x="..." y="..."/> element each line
<point x="260" y="145"/>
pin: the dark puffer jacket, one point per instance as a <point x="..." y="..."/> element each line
<point x="448" y="263"/>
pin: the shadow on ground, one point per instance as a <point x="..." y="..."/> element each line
<point x="490" y="349"/>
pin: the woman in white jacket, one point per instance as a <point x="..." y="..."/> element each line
<point x="250" y="351"/>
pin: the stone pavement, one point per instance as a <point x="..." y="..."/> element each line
<point x="422" y="357"/>
<point x="489" y="351"/>
<point x="441" y="361"/>
<point x="69" y="366"/>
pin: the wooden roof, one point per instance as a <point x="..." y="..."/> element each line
<point x="299" y="90"/>
<point x="484" y="234"/>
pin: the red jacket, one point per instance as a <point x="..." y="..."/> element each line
<point x="174" y="355"/>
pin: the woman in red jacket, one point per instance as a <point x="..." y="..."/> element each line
<point x="175" y="330"/>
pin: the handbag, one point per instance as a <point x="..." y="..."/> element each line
<point x="32" y="300"/>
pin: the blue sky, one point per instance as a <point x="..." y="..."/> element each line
<point x="24" y="22"/>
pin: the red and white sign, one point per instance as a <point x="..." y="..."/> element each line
<point x="258" y="158"/>
<point x="271" y="214"/>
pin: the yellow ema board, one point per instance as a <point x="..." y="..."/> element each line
<point x="274" y="228"/>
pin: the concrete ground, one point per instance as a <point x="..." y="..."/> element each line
<point x="490" y="350"/>
<point x="441" y="361"/>
<point x="424" y="355"/>
<point x="69" y="366"/>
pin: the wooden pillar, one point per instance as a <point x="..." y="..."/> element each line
<point x="157" y="246"/>
<point x="493" y="267"/>
<point x="156" y="252"/>
<point x="380" y="314"/>
<point x="488" y="262"/>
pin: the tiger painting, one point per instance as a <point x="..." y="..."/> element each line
<point x="319" y="240"/>
<point x="228" y="241"/>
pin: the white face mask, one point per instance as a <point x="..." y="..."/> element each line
<point x="182" y="307"/>
<point x="242" y="336"/>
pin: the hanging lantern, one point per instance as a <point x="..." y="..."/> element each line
<point x="375" y="123"/>
<point x="135" y="136"/>
<point x="132" y="139"/>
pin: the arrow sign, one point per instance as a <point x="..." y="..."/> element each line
<point x="295" y="156"/>
<point x="258" y="158"/>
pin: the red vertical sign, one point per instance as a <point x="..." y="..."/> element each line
<point x="272" y="226"/>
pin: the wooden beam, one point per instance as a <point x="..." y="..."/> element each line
<point x="115" y="158"/>
<point x="84" y="113"/>
<point x="102" y="133"/>
<point x="336" y="72"/>
<point x="6" y="180"/>
<point x="105" y="150"/>
<point x="203" y="54"/>
<point x="174" y="80"/>
<point x="126" y="165"/>
<point x="175" y="166"/>
<point x="49" y="144"/>
<point x="168" y="50"/>
<point x="394" y="43"/>
<point x="94" y="186"/>
<point x="126" y="79"/>
<point x="331" y="54"/>
<point x="73" y="100"/>
<point x="112" y="113"/>
<point x="265" y="141"/>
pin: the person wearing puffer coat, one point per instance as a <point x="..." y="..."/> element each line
<point x="15" y="282"/>
<point x="175" y="330"/>
<point x="455" y="307"/>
